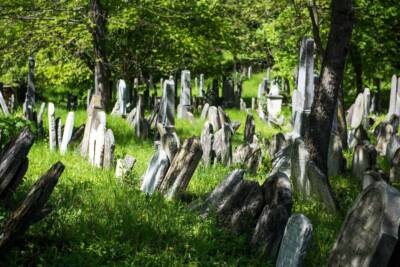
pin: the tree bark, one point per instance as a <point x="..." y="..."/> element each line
<point x="101" y="72"/>
<point x="326" y="95"/>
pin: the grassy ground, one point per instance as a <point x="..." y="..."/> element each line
<point x="98" y="221"/>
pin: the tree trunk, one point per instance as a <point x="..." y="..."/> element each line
<point x="326" y="95"/>
<point x="101" y="72"/>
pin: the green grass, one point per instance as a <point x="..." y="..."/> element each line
<point x="98" y="221"/>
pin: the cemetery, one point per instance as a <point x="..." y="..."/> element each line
<point x="199" y="133"/>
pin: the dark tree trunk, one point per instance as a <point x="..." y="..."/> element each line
<point x="101" y="72"/>
<point x="356" y="61"/>
<point x="326" y="95"/>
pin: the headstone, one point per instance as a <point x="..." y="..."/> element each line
<point x="250" y="129"/>
<point x="88" y="98"/>
<point x="336" y="160"/>
<point x="373" y="176"/>
<point x="168" y="103"/>
<point x="305" y="82"/>
<point x="249" y="72"/>
<point x="3" y="102"/>
<point x="202" y="91"/>
<point x="367" y="105"/>
<point x="204" y="112"/>
<point x="253" y="104"/>
<point x="207" y="139"/>
<point x="223" y="145"/>
<point x="364" y="158"/>
<point x="40" y="119"/>
<point x="68" y="129"/>
<point x="99" y="146"/>
<point x="29" y="104"/>
<point x="383" y="132"/>
<point x="278" y="142"/>
<point x="140" y="123"/>
<point x="242" y="105"/>
<point x="59" y="131"/>
<point x="369" y="233"/>
<point x="124" y="166"/>
<point x="392" y="146"/>
<point x="52" y="126"/>
<point x="228" y="93"/>
<point x="156" y="170"/>
<point x="295" y="241"/>
<point x="248" y="155"/>
<point x="122" y="97"/>
<point x="186" y="93"/>
<point x="213" y="118"/>
<point x="393" y="97"/>
<point x="262" y="88"/>
<point x="109" y="147"/>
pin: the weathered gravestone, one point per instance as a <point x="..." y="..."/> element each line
<point x="364" y="158"/>
<point x="249" y="155"/>
<point x="185" y="103"/>
<point x="140" y="124"/>
<point x="263" y="88"/>
<point x="29" y="104"/>
<point x="68" y="129"/>
<point x="392" y="146"/>
<point x="249" y="129"/>
<point x="214" y="118"/>
<point x="394" y="105"/>
<point x="204" y="112"/>
<point x="182" y="168"/>
<point x="222" y="145"/>
<point x="109" y="147"/>
<point x="40" y="120"/>
<point x="52" y="126"/>
<point x="373" y="176"/>
<point x="201" y="88"/>
<point x="228" y="94"/>
<point x="278" y="142"/>
<point x="295" y="242"/>
<point x="383" y="132"/>
<point x="242" y="105"/>
<point x="207" y="139"/>
<point x="336" y="160"/>
<point x="394" y="174"/>
<point x="370" y="232"/>
<point x="59" y="131"/>
<point x="3" y="104"/>
<point x="124" y="166"/>
<point x="168" y="103"/>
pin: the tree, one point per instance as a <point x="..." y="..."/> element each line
<point x="326" y="95"/>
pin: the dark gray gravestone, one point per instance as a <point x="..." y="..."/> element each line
<point x="201" y="88"/>
<point x="168" y="103"/>
<point x="228" y="93"/>
<point x="249" y="129"/>
<point x="207" y="139"/>
<point x="295" y="241"/>
<point x="29" y="104"/>
<point x="369" y="234"/>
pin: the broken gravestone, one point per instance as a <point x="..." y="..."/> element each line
<point x="370" y="231"/>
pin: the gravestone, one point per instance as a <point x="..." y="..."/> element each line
<point x="370" y="231"/>
<point x="201" y="88"/>
<point x="29" y="104"/>
<point x="124" y="166"/>
<point x="278" y="142"/>
<point x="68" y="129"/>
<point x="295" y="241"/>
<point x="373" y="176"/>
<point x="3" y="104"/>
<point x="392" y="146"/>
<point x="300" y="157"/>
<point x="248" y="155"/>
<point x="156" y="170"/>
<point x="384" y="132"/>
<point x="122" y="97"/>
<point x="89" y="97"/>
<point x="168" y="103"/>
<point x="222" y="145"/>
<point x="249" y="72"/>
<point x="40" y="119"/>
<point x="186" y="95"/>
<point x="242" y="105"/>
<point x="204" y="112"/>
<point x="250" y="129"/>
<point x="263" y="88"/>
<point x="52" y="126"/>
<point x="228" y="93"/>
<point x="253" y="104"/>
<point x="336" y="160"/>
<point x="367" y="105"/>
<point x="140" y="123"/>
<point x="213" y="94"/>
<point x="214" y="119"/>
<point x="59" y="131"/>
<point x="109" y="147"/>
<point x="207" y="139"/>
<point x="393" y="97"/>
<point x="98" y="145"/>
<point x="395" y="122"/>
<point x="72" y="102"/>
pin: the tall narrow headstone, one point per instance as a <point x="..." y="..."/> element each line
<point x="168" y="103"/>
<point x="3" y="102"/>
<point x="122" y="97"/>
<point x="29" y="104"/>
<point x="68" y="129"/>
<point x="228" y="93"/>
<point x="393" y="96"/>
<point x="201" y="88"/>
<point x="186" y="93"/>
<point x="52" y="126"/>
<point x="109" y="147"/>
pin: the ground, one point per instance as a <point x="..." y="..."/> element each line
<point x="99" y="221"/>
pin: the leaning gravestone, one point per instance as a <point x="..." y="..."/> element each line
<point x="204" y="112"/>
<point x="370" y="232"/>
<point x="207" y="139"/>
<point x="249" y="130"/>
<point x="295" y="242"/>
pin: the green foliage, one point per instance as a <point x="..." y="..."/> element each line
<point x="10" y="127"/>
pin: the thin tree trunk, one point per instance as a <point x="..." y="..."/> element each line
<point x="102" y="72"/>
<point x="312" y="9"/>
<point x="326" y="95"/>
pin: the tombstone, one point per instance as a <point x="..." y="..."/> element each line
<point x="182" y="168"/>
<point x="213" y="118"/>
<point x="250" y="129"/>
<point x="295" y="241"/>
<point x="222" y="145"/>
<point x="168" y="103"/>
<point x="186" y="94"/>
<point x="52" y="126"/>
<point x="140" y="123"/>
<point x="228" y="93"/>
<point x="395" y="122"/>
<point x="29" y="104"/>
<point x="242" y="105"/>
<point x="383" y="132"/>
<point x="204" y="112"/>
<point x="262" y="88"/>
<point x="59" y="131"/>
<point x="40" y="119"/>
<point x="270" y="226"/>
<point x="206" y="140"/>
<point x="392" y="146"/>
<point x="364" y="158"/>
<point x="253" y="104"/>
<point x="369" y="233"/>
<point x="156" y="170"/>
<point x="3" y="102"/>
<point x="274" y="106"/>
<point x="249" y="72"/>
<point x="367" y="105"/>
<point x="213" y="94"/>
<point x="300" y="157"/>
<point x="68" y="129"/>
<point x="201" y="88"/>
<point x="357" y="137"/>
<point x="124" y="166"/>
<point x="278" y="142"/>
<point x="248" y="155"/>
<point x="98" y="145"/>
<point x="89" y="97"/>
<point x="109" y="147"/>
<point x="393" y="97"/>
<point x="72" y="102"/>
<point x="336" y="160"/>
<point x="373" y="176"/>
<point x="122" y="97"/>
